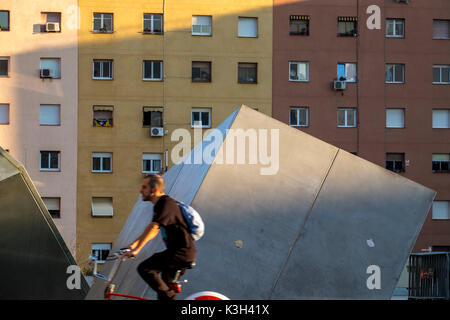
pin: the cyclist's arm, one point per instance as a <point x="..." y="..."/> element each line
<point x="149" y="233"/>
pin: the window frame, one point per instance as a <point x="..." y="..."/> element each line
<point x="395" y="23"/>
<point x="151" y="109"/>
<point x="159" y="157"/>
<point x="441" y="66"/>
<point x="298" y="109"/>
<point x="111" y="61"/>
<point x="58" y="60"/>
<point x="302" y="18"/>
<point x="440" y="38"/>
<point x="298" y="63"/>
<point x="58" y="215"/>
<point x="59" y="115"/>
<point x="99" y="250"/>
<point x="433" y="209"/>
<point x="9" y="21"/>
<point x="256" y="73"/>
<point x="58" y="169"/>
<point x="209" y="75"/>
<point x="102" y="22"/>
<point x="101" y="156"/>
<point x="201" y="110"/>
<point x="8" y="66"/>
<point x="345" y="125"/>
<point x="151" y="71"/>
<point x="391" y="127"/>
<point x="351" y="19"/>
<point x="106" y="108"/>
<point x="433" y="115"/>
<point x="44" y="25"/>
<point x="440" y="163"/>
<point x="102" y="215"/>
<point x="152" y="20"/>
<point x="8" y="108"/>
<point x="394" y="81"/>
<point x="395" y="161"/>
<point x="345" y="70"/>
<point x="205" y="34"/>
<point x="257" y="27"/>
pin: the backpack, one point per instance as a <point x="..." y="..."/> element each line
<point x="194" y="221"/>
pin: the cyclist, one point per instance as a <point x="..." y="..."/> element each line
<point x="180" y="250"/>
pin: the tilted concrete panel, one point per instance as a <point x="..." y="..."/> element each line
<point x="308" y="231"/>
<point x="33" y="256"/>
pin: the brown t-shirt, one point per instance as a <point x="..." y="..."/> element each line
<point x="174" y="229"/>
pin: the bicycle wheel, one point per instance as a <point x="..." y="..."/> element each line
<point x="207" y="295"/>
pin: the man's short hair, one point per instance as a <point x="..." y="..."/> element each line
<point x="155" y="180"/>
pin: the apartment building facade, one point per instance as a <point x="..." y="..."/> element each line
<point x="393" y="58"/>
<point x="147" y="68"/>
<point x="38" y="100"/>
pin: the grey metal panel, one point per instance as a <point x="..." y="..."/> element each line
<point x="263" y="211"/>
<point x="33" y="255"/>
<point x="359" y="202"/>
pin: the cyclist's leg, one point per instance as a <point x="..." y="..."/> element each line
<point x="149" y="271"/>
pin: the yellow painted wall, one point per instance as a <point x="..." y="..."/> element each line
<point x="128" y="93"/>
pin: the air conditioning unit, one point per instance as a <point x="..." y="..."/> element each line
<point x="52" y="27"/>
<point x="45" y="73"/>
<point x="339" y="85"/>
<point x="156" y="131"/>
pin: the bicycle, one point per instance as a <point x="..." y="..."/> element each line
<point x="175" y="285"/>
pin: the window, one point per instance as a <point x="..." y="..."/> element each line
<point x="346" y="117"/>
<point x="347" y="26"/>
<point x="103" y="116"/>
<point x="298" y="117"/>
<point x="299" y="25"/>
<point x="4" y="20"/>
<point x="441" y="119"/>
<point x="103" y="22"/>
<point x="201" y="25"/>
<point x="247" y="72"/>
<point x="101" y="162"/>
<point x="50" y="115"/>
<point x="101" y="251"/>
<point x="440" y="162"/>
<point x="152" y="117"/>
<point x="4" y="66"/>
<point x="395" y="162"/>
<point x="50" y="22"/>
<point x="298" y="71"/>
<point x="441" y="74"/>
<point x="201" y="118"/>
<point x="151" y="163"/>
<point x="395" y="118"/>
<point x="53" y="206"/>
<point x="395" y="28"/>
<point x="201" y="71"/>
<point x="346" y="72"/>
<point x="152" y="70"/>
<point x="441" y="29"/>
<point x="395" y="73"/>
<point x="248" y="27"/>
<point x="54" y="67"/>
<point x="103" y="69"/>
<point x="441" y="210"/>
<point x="102" y="207"/>
<point x="153" y="23"/>
<point x="4" y="113"/>
<point x="50" y="160"/>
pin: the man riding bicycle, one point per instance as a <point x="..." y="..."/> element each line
<point x="181" y="250"/>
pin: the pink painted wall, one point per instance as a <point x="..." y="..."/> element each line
<point x="24" y="91"/>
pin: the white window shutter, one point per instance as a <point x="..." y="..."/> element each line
<point x="53" y="65"/>
<point x="441" y="29"/>
<point x="4" y="113"/>
<point x="441" y="119"/>
<point x="51" y="203"/>
<point x="102" y="207"/>
<point x="248" y="27"/>
<point x="50" y="115"/>
<point x="395" y="118"/>
<point x="441" y="157"/>
<point x="441" y="210"/>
